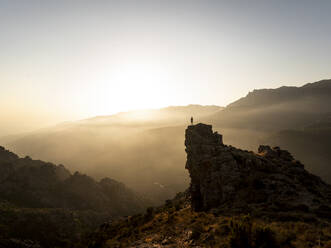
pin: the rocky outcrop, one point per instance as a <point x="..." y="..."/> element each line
<point x="228" y="179"/>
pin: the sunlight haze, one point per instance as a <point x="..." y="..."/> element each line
<point x="69" y="60"/>
<point x="165" y="123"/>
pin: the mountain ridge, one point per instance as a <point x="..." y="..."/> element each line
<point x="284" y="93"/>
<point x="155" y="145"/>
<point x="49" y="185"/>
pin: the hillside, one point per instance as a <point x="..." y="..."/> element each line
<point x="176" y="225"/>
<point x="45" y="203"/>
<point x="144" y="149"/>
<point x="296" y="118"/>
<point x="236" y="199"/>
<point x="278" y="109"/>
<point x="318" y="92"/>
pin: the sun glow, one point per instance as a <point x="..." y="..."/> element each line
<point x="132" y="85"/>
<point x="140" y="115"/>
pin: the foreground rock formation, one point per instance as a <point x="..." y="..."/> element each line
<point x="287" y="206"/>
<point x="227" y="179"/>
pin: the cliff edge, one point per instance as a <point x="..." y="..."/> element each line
<point x="230" y="180"/>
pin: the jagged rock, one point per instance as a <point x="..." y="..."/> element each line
<point x="233" y="180"/>
<point x="274" y="153"/>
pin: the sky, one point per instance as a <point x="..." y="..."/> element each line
<point x="65" y="60"/>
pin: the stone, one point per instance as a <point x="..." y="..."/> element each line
<point x="232" y="180"/>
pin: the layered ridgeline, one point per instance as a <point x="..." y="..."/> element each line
<point x="45" y="203"/>
<point x="144" y="149"/>
<point x="139" y="148"/>
<point x="295" y="118"/>
<point x="278" y="109"/>
<point x="236" y="199"/>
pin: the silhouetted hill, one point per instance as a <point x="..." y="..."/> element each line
<point x="45" y="203"/>
<point x="296" y="118"/>
<point x="277" y="109"/>
<point x="266" y="97"/>
<point x="144" y="148"/>
<point x="34" y="183"/>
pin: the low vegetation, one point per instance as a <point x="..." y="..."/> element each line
<point x="176" y="225"/>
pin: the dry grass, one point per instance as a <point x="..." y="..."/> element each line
<point x="168" y="227"/>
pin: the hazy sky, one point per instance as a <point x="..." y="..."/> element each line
<point x="65" y="60"/>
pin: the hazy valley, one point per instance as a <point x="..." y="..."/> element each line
<point x="165" y="124"/>
<point x="145" y="149"/>
<point x="136" y="160"/>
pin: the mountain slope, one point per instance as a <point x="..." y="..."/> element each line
<point x="317" y="92"/>
<point x="296" y="118"/>
<point x="176" y="225"/>
<point x="144" y="148"/>
<point x="42" y="204"/>
<point x="34" y="183"/>
<point x="237" y="199"/>
<point x="277" y="109"/>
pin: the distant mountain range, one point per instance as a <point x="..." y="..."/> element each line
<point x="281" y="108"/>
<point x="144" y="149"/>
<point x="294" y="118"/>
<point x="135" y="147"/>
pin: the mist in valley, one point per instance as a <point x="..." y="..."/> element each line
<point x="145" y="149"/>
<point x="165" y="124"/>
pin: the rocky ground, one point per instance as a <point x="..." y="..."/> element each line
<point x="176" y="225"/>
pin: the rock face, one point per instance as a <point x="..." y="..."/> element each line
<point x="232" y="180"/>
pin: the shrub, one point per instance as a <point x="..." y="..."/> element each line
<point x="245" y="234"/>
<point x="149" y="213"/>
<point x="197" y="229"/>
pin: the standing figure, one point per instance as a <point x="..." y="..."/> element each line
<point x="191" y="120"/>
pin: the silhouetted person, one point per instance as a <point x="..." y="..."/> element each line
<point x="192" y="120"/>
